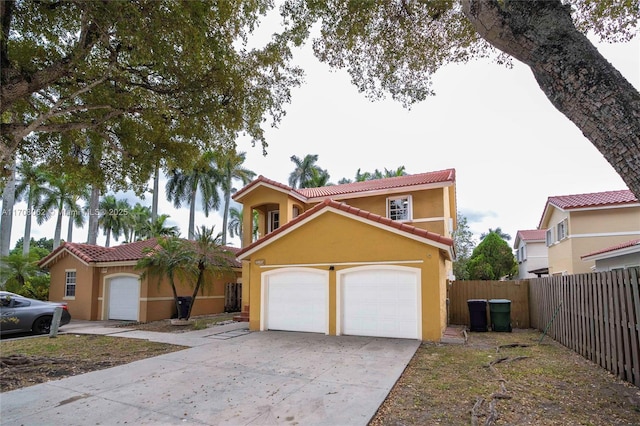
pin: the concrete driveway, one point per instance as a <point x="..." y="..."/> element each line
<point x="259" y="378"/>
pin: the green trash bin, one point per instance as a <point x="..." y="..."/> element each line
<point x="500" y="313"/>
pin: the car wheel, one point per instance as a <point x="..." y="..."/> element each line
<point x="42" y="325"/>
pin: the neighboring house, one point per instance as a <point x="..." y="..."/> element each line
<point x="366" y="258"/>
<point x="577" y="225"/>
<point x="101" y="283"/>
<point x="620" y="256"/>
<point x="531" y="253"/>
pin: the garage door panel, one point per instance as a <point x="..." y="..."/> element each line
<point x="382" y="303"/>
<point x="296" y="301"/>
<point x="124" y="298"/>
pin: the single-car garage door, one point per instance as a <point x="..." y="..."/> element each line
<point x="124" y="298"/>
<point x="380" y="302"/>
<point x="296" y="301"/>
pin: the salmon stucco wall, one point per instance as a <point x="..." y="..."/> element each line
<point x="334" y="240"/>
<point x="84" y="304"/>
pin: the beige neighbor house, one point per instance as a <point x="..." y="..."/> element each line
<point x="101" y="283"/>
<point x="367" y="258"/>
<point x="620" y="256"/>
<point x="577" y="225"/>
<point x="531" y="253"/>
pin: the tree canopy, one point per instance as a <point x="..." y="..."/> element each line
<point x="106" y="89"/>
<point x="492" y="259"/>
<point x="394" y="47"/>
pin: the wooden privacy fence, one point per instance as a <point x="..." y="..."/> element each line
<point x="516" y="291"/>
<point x="233" y="297"/>
<point x="597" y="315"/>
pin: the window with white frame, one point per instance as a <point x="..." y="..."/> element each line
<point x="70" y="284"/>
<point x="550" y="237"/>
<point x="399" y="208"/>
<point x="562" y="230"/>
<point x="274" y="220"/>
<point x="523" y="254"/>
<point x="296" y="212"/>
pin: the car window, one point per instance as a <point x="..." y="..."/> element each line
<point x="19" y="303"/>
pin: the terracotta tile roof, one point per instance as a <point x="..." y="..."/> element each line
<point x="90" y="253"/>
<point x="620" y="246"/>
<point x="448" y="175"/>
<point x="352" y="211"/>
<point x="595" y="199"/>
<point x="531" y="234"/>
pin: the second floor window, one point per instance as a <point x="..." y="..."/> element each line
<point x="562" y="230"/>
<point x="399" y="208"/>
<point x="550" y="237"/>
<point x="274" y="220"/>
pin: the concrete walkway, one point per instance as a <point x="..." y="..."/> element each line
<point x="228" y="376"/>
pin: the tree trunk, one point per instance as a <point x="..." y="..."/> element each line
<point x="192" y="214"/>
<point x="94" y="203"/>
<point x="58" y="232"/>
<point x="154" y="200"/>
<point x="26" y="240"/>
<point x="225" y="216"/>
<point x="70" y="228"/>
<point x="8" y="200"/>
<point x="576" y="78"/>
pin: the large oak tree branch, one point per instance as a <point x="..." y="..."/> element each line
<point x="574" y="76"/>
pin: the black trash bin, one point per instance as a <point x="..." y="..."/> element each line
<point x="477" y="314"/>
<point x="184" y="302"/>
<point x="500" y="310"/>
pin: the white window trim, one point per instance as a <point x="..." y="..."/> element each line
<point x="550" y="236"/>
<point x="272" y="213"/>
<point x="66" y="283"/>
<point x="409" y="207"/>
<point x="564" y="225"/>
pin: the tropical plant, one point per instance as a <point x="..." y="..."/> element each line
<point x="172" y="259"/>
<point x="229" y="164"/>
<point x="18" y="268"/>
<point x="61" y="195"/>
<point x="112" y="217"/>
<point x="211" y="258"/>
<point x="137" y="221"/>
<point x="183" y="185"/>
<point x="29" y="186"/>
<point x="302" y="175"/>
<point x="158" y="228"/>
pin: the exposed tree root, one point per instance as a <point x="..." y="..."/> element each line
<point x="492" y="414"/>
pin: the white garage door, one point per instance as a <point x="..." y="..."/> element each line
<point x="124" y="298"/>
<point x="296" y="301"/>
<point x="380" y="302"/>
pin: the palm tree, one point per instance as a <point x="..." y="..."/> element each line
<point x="211" y="257"/>
<point x="137" y="222"/>
<point x="171" y="258"/>
<point x="62" y="196"/>
<point x="157" y="228"/>
<point x="230" y="168"/>
<point x="182" y="186"/>
<point x="29" y="186"/>
<point x="18" y="267"/>
<point x="400" y="171"/>
<point x="235" y="224"/>
<point x="112" y="217"/>
<point x="76" y="218"/>
<point x="498" y="231"/>
<point x="302" y="175"/>
<point x="8" y="201"/>
<point x="319" y="178"/>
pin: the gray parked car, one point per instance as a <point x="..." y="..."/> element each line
<point x="20" y="314"/>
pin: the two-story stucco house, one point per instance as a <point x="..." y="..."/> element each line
<point x="576" y="225"/>
<point x="531" y="253"/>
<point x="366" y="258"/>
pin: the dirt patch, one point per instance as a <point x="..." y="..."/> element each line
<point x="195" y="323"/>
<point x="507" y="379"/>
<point x="26" y="362"/>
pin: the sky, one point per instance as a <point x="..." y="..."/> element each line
<point x="510" y="147"/>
